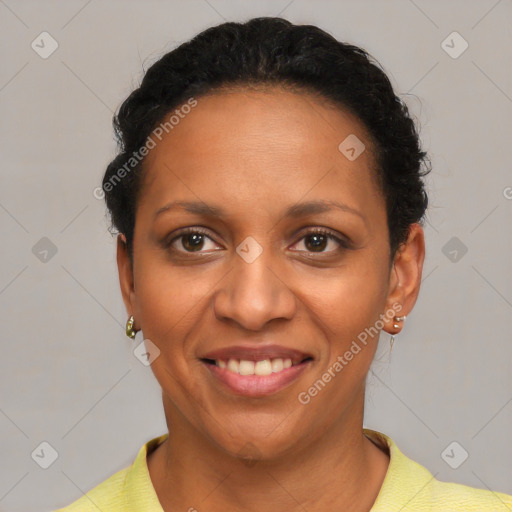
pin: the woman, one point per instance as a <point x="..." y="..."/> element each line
<point x="269" y="201"/>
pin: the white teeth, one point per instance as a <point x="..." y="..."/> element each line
<point x="277" y="365"/>
<point x="246" y="367"/>
<point x="233" y="365"/>
<point x="263" y="367"/>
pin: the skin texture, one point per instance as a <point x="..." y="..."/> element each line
<point x="254" y="154"/>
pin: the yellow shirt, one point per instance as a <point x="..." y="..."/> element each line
<point x="407" y="487"/>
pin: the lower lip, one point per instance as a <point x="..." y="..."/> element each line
<point x="257" y="385"/>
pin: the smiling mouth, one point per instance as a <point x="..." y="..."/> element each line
<point x="262" y="368"/>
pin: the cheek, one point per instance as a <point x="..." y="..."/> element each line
<point x="348" y="307"/>
<point x="166" y="293"/>
<point x="346" y="300"/>
<point x="170" y="304"/>
<point x="349" y="316"/>
<point x="170" y="307"/>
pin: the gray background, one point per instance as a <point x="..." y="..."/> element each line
<point x="67" y="373"/>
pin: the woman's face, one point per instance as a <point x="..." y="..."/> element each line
<point x="253" y="280"/>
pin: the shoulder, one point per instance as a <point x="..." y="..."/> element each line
<point x="450" y="496"/>
<point x="128" y="490"/>
<point x="108" y="495"/>
<point x="410" y="487"/>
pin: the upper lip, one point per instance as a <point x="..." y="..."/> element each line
<point x="257" y="353"/>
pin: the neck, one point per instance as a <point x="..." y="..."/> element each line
<point x="342" y="468"/>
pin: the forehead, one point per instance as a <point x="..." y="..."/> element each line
<point x="262" y="146"/>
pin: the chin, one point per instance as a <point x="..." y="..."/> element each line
<point x="264" y="437"/>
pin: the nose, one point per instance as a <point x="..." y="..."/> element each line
<point x="253" y="293"/>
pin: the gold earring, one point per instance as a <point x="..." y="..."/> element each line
<point x="395" y="326"/>
<point x="130" y="331"/>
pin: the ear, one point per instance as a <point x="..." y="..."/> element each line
<point x="405" y="276"/>
<point x="124" y="268"/>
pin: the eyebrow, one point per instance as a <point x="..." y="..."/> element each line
<point x="294" y="211"/>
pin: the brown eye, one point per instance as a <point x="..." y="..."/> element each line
<point x="190" y="240"/>
<point x="318" y="241"/>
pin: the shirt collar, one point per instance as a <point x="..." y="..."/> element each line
<point x="139" y="491"/>
<point x="404" y="479"/>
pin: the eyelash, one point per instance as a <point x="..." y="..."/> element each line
<point x="317" y="231"/>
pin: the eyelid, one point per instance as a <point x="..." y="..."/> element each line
<point x="313" y="229"/>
